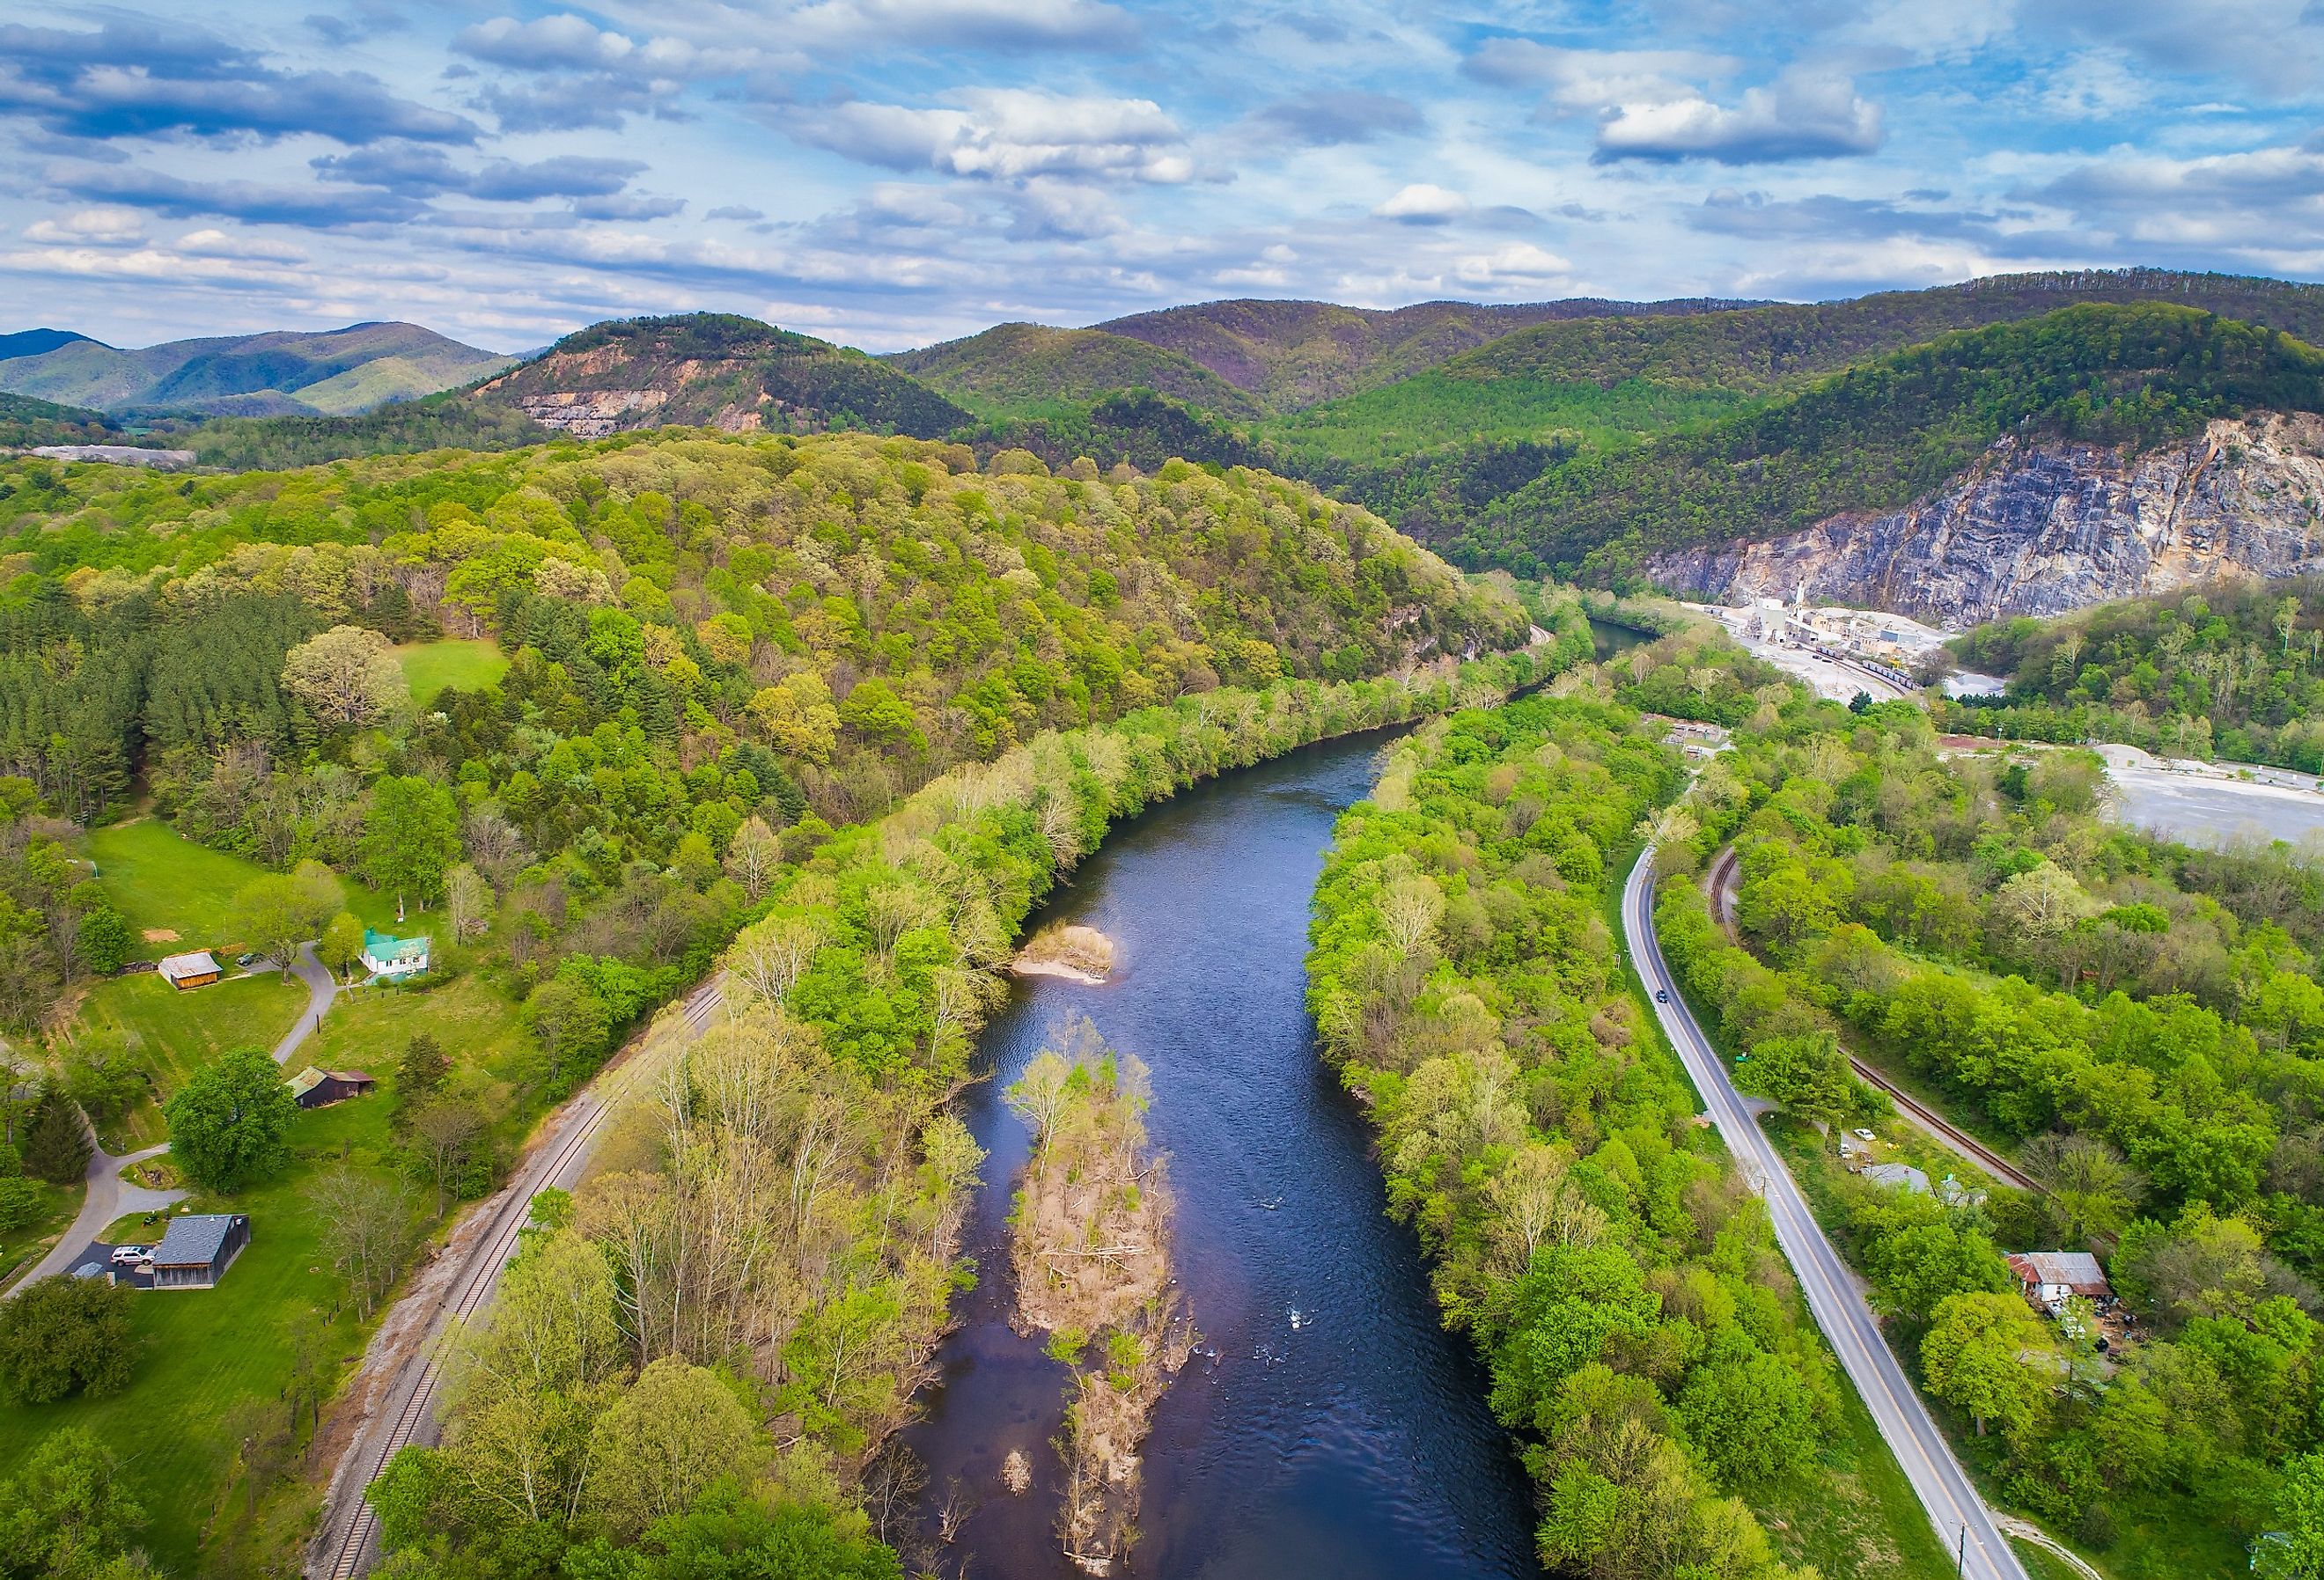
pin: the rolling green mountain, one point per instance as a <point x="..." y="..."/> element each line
<point x="340" y="371"/>
<point x="1608" y="379"/>
<point x="1886" y="431"/>
<point x="1023" y="370"/>
<point x="717" y="370"/>
<point x="1291" y="355"/>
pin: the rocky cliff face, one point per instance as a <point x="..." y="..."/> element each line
<point x="2041" y="528"/>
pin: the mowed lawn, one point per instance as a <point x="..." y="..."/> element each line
<point x="470" y="666"/>
<point x="28" y="1242"/>
<point x="162" y="881"/>
<point x="208" y="1355"/>
<point x="476" y="1027"/>
<point x="173" y="1033"/>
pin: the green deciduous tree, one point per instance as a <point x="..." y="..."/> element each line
<point x="104" y="941"/>
<point x="1806" y="1074"/>
<point x="65" y="1335"/>
<point x="347" y="675"/>
<point x="274" y="913"/>
<point x="567" y="1021"/>
<point x="675" y="1430"/>
<point x="1990" y="1357"/>
<point x="228" y="1123"/>
<point x="342" y="943"/>
<point x="66" y="1513"/>
<point x="410" y="837"/>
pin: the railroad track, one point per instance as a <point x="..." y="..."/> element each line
<point x="352" y="1552"/>
<point x="1722" y="884"/>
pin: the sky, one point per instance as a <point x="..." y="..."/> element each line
<point x="888" y="173"/>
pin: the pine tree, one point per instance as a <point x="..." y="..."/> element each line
<point x="422" y="1071"/>
<point x="56" y="1140"/>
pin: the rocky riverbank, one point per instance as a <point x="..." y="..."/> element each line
<point x="1090" y="1245"/>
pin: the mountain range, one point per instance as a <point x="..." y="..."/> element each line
<point x="282" y="373"/>
<point x="1680" y="442"/>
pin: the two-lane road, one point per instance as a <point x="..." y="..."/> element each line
<point x="1943" y="1487"/>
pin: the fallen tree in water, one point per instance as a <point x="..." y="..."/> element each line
<point x="1091" y="1243"/>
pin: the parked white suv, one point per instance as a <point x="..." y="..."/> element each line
<point x="131" y="1255"/>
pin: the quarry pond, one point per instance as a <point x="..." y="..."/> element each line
<point x="1328" y="1425"/>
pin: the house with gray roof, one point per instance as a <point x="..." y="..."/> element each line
<point x="199" y="1249"/>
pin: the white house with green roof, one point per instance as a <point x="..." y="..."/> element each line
<point x="385" y="955"/>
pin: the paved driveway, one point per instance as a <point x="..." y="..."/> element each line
<point x="108" y="1198"/>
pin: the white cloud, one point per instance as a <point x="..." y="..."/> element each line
<point x="1422" y="203"/>
<point x="90" y="227"/>
<point x="1801" y="116"/>
<point x="2094" y="85"/>
<point x="1518" y="267"/>
<point x="1592" y="80"/>
<point x="217" y="244"/>
<point x="2266" y="198"/>
<point x="1006" y="133"/>
<point x="963" y="23"/>
<point x="568" y="44"/>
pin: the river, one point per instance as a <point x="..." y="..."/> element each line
<point x="1340" y="1431"/>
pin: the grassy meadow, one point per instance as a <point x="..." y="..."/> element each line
<point x="470" y="665"/>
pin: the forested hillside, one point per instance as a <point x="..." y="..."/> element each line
<point x="2234" y="670"/>
<point x="1290" y="354"/>
<point x="1881" y="434"/>
<point x="759" y="560"/>
<point x="25" y="422"/>
<point x="1021" y="370"/>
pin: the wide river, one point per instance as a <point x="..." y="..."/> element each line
<point x="1339" y="1432"/>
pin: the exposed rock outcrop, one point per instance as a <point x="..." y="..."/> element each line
<point x="589" y="413"/>
<point x="715" y="370"/>
<point x="2040" y="527"/>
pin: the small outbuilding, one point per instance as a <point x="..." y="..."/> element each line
<point x="314" y="1088"/>
<point x="385" y="955"/>
<point x="2050" y="1278"/>
<point x="198" y="969"/>
<point x="199" y="1249"/>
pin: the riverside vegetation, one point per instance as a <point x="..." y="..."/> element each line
<point x="797" y="689"/>
<point x="1646" y="1341"/>
<point x="2141" y="1024"/>
<point x="781" y="1201"/>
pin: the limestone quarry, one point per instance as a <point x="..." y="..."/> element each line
<point x="2041" y="528"/>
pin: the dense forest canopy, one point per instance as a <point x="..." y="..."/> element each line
<point x="2234" y="670"/>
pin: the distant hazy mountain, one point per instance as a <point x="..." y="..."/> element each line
<point x="32" y="342"/>
<point x="1292" y="354"/>
<point x="338" y="372"/>
<point x="717" y="370"/>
